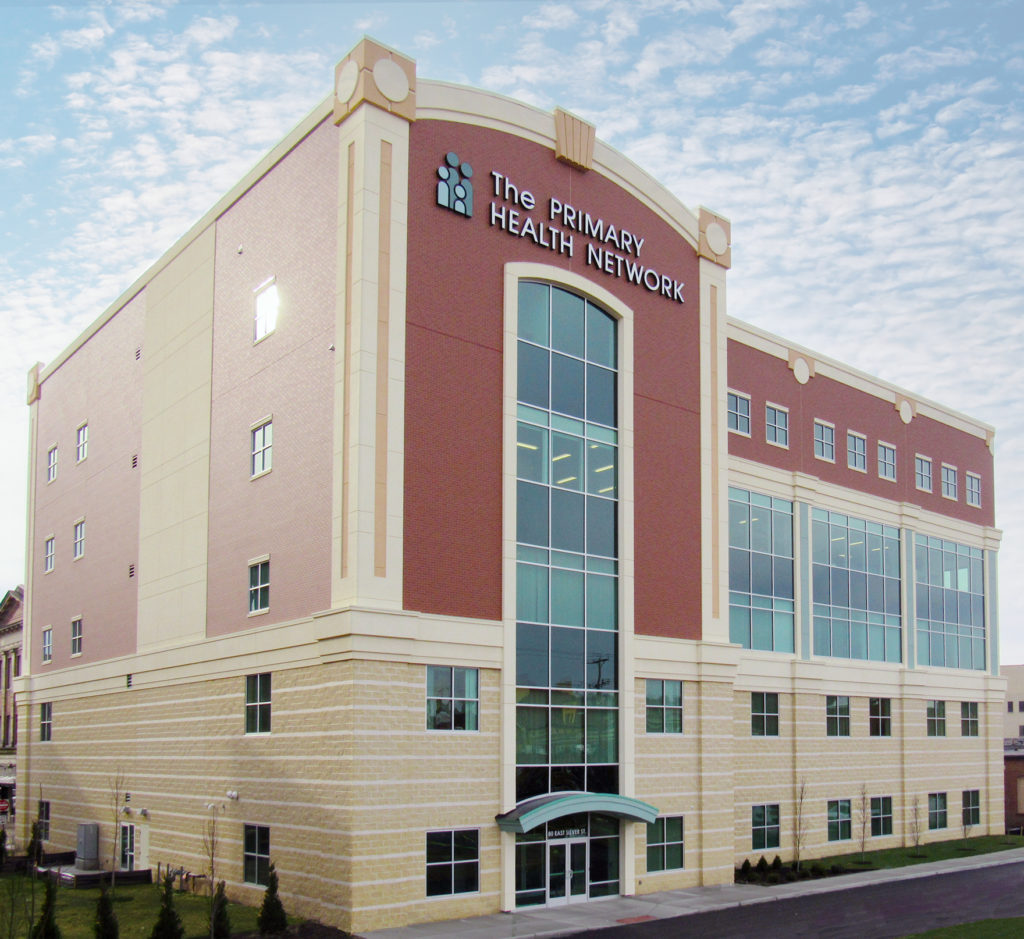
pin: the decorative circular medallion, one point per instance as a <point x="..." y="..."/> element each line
<point x="391" y="80"/>
<point x="347" y="78"/>
<point x="801" y="371"/>
<point x="906" y="411"/>
<point x="718" y="241"/>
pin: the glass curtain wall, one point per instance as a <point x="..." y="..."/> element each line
<point x="950" y="603"/>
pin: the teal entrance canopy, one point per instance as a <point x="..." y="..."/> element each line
<point x="534" y="812"/>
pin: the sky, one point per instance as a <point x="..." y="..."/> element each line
<point x="869" y="155"/>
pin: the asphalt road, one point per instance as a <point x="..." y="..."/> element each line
<point x="885" y="911"/>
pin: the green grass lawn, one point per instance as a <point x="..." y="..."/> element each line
<point x="135" y="906"/>
<point x="983" y="929"/>
<point x="934" y="851"/>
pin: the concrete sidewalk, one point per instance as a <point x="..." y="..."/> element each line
<point x="617" y="911"/>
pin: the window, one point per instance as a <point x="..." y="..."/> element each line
<point x="48" y="555"/>
<point x="78" y="545"/>
<point x="1020" y="706"/>
<point x="760" y="571"/>
<point x="51" y="464"/>
<point x="857" y="451"/>
<point x="262" y="449"/>
<point x="936" y="810"/>
<point x="665" y="844"/>
<point x="936" y="718"/>
<point x="764" y="827"/>
<point x="971" y="808"/>
<point x="886" y="461"/>
<point x="453" y="862"/>
<point x="739" y="413"/>
<point x="266" y="310"/>
<point x="950" y="603"/>
<point x="259" y="586"/>
<point x="256" y="855"/>
<point x="839" y="822"/>
<point x="880" y="717"/>
<point x="76" y="636"/>
<point x="949" y="487"/>
<point x="664" y="706"/>
<point x="974" y="490"/>
<point x="776" y="425"/>
<point x="1009" y="707"/>
<point x="82" y="443"/>
<point x="257" y="703"/>
<point x="923" y="473"/>
<point x="824" y="441"/>
<point x="47" y="645"/>
<point x="46" y="720"/>
<point x="881" y="816"/>
<point x="453" y="698"/>
<point x="837" y="715"/>
<point x="43" y="819"/>
<point x="855" y="588"/>
<point x="764" y="714"/>
<point x="968" y="718"/>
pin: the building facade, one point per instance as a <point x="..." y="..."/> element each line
<point x="423" y="517"/>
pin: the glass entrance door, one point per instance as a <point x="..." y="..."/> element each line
<point x="567" y="872"/>
<point x="127" y="847"/>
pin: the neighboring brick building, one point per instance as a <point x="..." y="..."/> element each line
<point x="424" y="512"/>
<point x="10" y="669"/>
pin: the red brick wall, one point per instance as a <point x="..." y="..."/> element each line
<point x="1013" y="769"/>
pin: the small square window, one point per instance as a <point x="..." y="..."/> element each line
<point x="886" y="461"/>
<point x="256" y="855"/>
<point x="46" y="720"/>
<point x="936" y="718"/>
<point x="974" y="490"/>
<point x="267" y="304"/>
<point x="453" y="862"/>
<point x="257" y="703"/>
<point x="739" y="413"/>
<point x="51" y="464"/>
<point x="923" y="473"/>
<point x="949" y="483"/>
<point x="776" y="425"/>
<point x="82" y="443"/>
<point x="824" y="441"/>
<point x="78" y="544"/>
<point x="837" y="715"/>
<point x="936" y="810"/>
<point x="880" y="717"/>
<point x="839" y="820"/>
<point x="453" y="698"/>
<point x="48" y="554"/>
<point x="47" y="645"/>
<point x="971" y="808"/>
<point x="76" y="636"/>
<point x="259" y="586"/>
<point x="665" y="844"/>
<point x="881" y="816"/>
<point x="764" y="827"/>
<point x="262" y="448"/>
<point x="664" y="706"/>
<point x="857" y="452"/>
<point x="764" y="714"/>
<point x="43" y="818"/>
<point x="968" y="718"/>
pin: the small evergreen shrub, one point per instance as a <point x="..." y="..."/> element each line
<point x="221" y="920"/>
<point x="46" y="926"/>
<point x="168" y="923"/>
<point x="105" y="925"/>
<point x="272" y="919"/>
<point x="745" y="870"/>
<point x="777" y="863"/>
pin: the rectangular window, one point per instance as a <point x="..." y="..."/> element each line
<point x="839" y="821"/>
<point x="936" y="718"/>
<point x="886" y="461"/>
<point x="968" y="718"/>
<point x="949" y="485"/>
<point x="46" y="720"/>
<point x="974" y="490"/>
<point x="256" y="855"/>
<point x="267" y="304"/>
<point x="453" y="862"/>
<point x="857" y="451"/>
<point x="923" y="473"/>
<point x="665" y="844"/>
<point x="881" y="816"/>
<point x="48" y="553"/>
<point x="262" y="448"/>
<point x="259" y="586"/>
<point x="971" y="808"/>
<point x="739" y="413"/>
<point x="664" y="706"/>
<point x="837" y="715"/>
<point x="51" y="464"/>
<point x="82" y="443"/>
<point x="453" y="698"/>
<point x="761" y="603"/>
<point x="936" y="810"/>
<point x="776" y="425"/>
<point x="824" y="441"/>
<point x="764" y="714"/>
<point x="76" y="636"/>
<point x="78" y="545"/>
<point x="43" y="819"/>
<point x="949" y="593"/>
<point x="764" y="827"/>
<point x="47" y="645"/>
<point x="257" y="703"/>
<point x="880" y="717"/>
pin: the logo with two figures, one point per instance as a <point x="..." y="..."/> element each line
<point x="454" y="189"/>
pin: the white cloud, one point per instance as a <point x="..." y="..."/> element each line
<point x="775" y="53"/>
<point x="859" y="16"/>
<point x="917" y="61"/>
<point x="551" y="16"/>
<point x="206" y="30"/>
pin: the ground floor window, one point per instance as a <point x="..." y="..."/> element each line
<point x="453" y="862"/>
<point x="839" y="823"/>
<point x="256" y="854"/>
<point x="764" y="827"/>
<point x="43" y="820"/>
<point x="971" y="808"/>
<point x="881" y="816"/>
<point x="936" y="810"/>
<point x="665" y="844"/>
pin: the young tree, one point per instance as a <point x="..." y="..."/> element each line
<point x="221" y="920"/>
<point x="46" y="926"/>
<point x="210" y="850"/>
<point x="35" y="847"/>
<point x="799" y="823"/>
<point x="105" y="925"/>
<point x="272" y="917"/>
<point x="168" y="923"/>
<point x="865" y="818"/>
<point x="915" y="822"/>
<point x="117" y="787"/>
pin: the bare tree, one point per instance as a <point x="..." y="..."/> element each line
<point x="799" y="822"/>
<point x="210" y="850"/>
<point x="117" y="788"/>
<point x="915" y="821"/>
<point x="965" y="822"/>
<point x="865" y="817"/>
